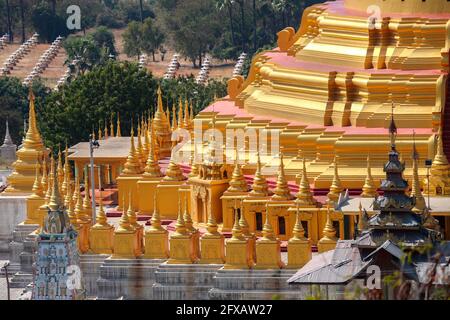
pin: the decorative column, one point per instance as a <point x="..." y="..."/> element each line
<point x="299" y="247"/>
<point x="212" y="243"/>
<point x="268" y="250"/>
<point x="126" y="244"/>
<point x="238" y="251"/>
<point x="329" y="240"/>
<point x="181" y="242"/>
<point x="101" y="234"/>
<point x="156" y="237"/>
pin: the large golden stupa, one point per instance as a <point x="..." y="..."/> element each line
<point x="330" y="87"/>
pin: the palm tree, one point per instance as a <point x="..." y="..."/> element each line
<point x="8" y="14"/>
<point x="255" y="40"/>
<point x="243" y="33"/>
<point x="227" y="4"/>
<point x="141" y="8"/>
<point x="22" y="19"/>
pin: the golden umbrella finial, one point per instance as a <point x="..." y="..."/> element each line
<point x="55" y="203"/>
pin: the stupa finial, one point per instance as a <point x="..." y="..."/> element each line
<point x="260" y="187"/>
<point x="281" y="191"/>
<point x="369" y="190"/>
<point x="304" y="195"/>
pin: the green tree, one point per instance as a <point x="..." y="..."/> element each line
<point x="14" y="105"/>
<point x="48" y="24"/>
<point x="109" y="89"/>
<point x="152" y="37"/>
<point x="132" y="40"/>
<point x="222" y="5"/>
<point x="195" y="27"/>
<point x="85" y="52"/>
<point x="104" y="38"/>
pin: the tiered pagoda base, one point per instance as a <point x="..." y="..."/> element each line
<point x="184" y="281"/>
<point x="131" y="279"/>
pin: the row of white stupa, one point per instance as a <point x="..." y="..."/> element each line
<point x="173" y="67"/>
<point x="4" y="41"/>
<point x="17" y="55"/>
<point x="203" y="75"/>
<point x="239" y="65"/>
<point x="65" y="76"/>
<point x="44" y="61"/>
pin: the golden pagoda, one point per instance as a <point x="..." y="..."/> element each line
<point x="330" y="97"/>
<point x="329" y="239"/>
<point x="161" y="126"/>
<point x="21" y="181"/>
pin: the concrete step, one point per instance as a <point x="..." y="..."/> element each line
<point x="21" y="280"/>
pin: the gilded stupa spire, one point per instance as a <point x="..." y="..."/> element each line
<point x="211" y="227"/>
<point x="38" y="192"/>
<point x="99" y="132"/>
<point x="146" y="144"/>
<point x="180" y="114"/>
<point x="329" y="232"/>
<point x="22" y="178"/>
<point x="194" y="166"/>
<point x="44" y="180"/>
<point x="336" y="185"/>
<point x="132" y="217"/>
<point x="173" y="172"/>
<point x="60" y="170"/>
<point x="260" y="187"/>
<point x="55" y="203"/>
<point x="51" y="178"/>
<point x="79" y="211"/>
<point x="180" y="226"/>
<point x="156" y="218"/>
<point x="440" y="158"/>
<point x="111" y="125"/>
<point x="281" y="191"/>
<point x="159" y="114"/>
<point x="105" y="131"/>
<point x="152" y="169"/>
<point x="298" y="232"/>
<point x="267" y="232"/>
<point x="70" y="205"/>
<point x="242" y="221"/>
<point x="236" y="232"/>
<point x="304" y="195"/>
<point x="87" y="199"/>
<point x="69" y="195"/>
<point x="191" y="114"/>
<point x="33" y="138"/>
<point x="119" y="131"/>
<point x="132" y="165"/>
<point x="174" y="118"/>
<point x="186" y="122"/>
<point x="237" y="183"/>
<point x="66" y="171"/>
<point x="124" y="223"/>
<point x="101" y="219"/>
<point x="416" y="192"/>
<point x="140" y="148"/>
<point x="369" y="190"/>
<point x="187" y="217"/>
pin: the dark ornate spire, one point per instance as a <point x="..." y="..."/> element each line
<point x="395" y="219"/>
